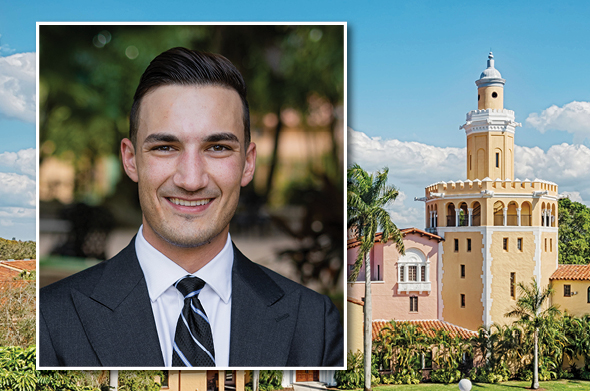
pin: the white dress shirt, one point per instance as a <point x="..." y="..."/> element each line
<point x="161" y="273"/>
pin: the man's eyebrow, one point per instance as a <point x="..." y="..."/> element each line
<point x="222" y="136"/>
<point x="161" y="137"/>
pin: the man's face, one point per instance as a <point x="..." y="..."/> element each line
<point x="190" y="162"/>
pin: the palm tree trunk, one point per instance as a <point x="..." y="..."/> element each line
<point x="368" y="334"/>
<point x="535" y="385"/>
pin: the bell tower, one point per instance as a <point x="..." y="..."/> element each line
<point x="490" y="130"/>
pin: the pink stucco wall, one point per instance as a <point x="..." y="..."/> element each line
<point x="387" y="302"/>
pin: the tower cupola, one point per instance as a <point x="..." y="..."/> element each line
<point x="490" y="87"/>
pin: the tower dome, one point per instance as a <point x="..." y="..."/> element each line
<point x="490" y="76"/>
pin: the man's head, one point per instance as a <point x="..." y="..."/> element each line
<point x="189" y="152"/>
<point x="181" y="66"/>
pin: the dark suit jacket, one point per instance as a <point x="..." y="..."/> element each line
<point x="102" y="317"/>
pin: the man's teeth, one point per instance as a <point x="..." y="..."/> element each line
<point x="180" y="202"/>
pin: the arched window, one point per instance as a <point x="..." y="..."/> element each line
<point x="525" y="214"/>
<point x="463" y="215"/>
<point x="413" y="272"/>
<point x="451" y="215"/>
<point x="476" y="214"/>
<point x="589" y="294"/>
<point x="512" y="218"/>
<point x="499" y="213"/>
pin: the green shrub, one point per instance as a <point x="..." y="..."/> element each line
<point x="445" y="376"/>
<point x="354" y="375"/>
<point x="139" y="380"/>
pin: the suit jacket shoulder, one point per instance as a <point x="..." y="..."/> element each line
<point x="279" y="323"/>
<point x="91" y="319"/>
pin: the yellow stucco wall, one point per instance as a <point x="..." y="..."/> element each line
<point x="549" y="257"/>
<point x="505" y="262"/>
<point x="471" y="286"/>
<point x="354" y="338"/>
<point x="576" y="305"/>
<point x="486" y="101"/>
<point x="193" y="380"/>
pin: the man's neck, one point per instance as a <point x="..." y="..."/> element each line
<point x="190" y="259"/>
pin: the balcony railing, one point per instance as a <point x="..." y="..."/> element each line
<point x="414" y="286"/>
<point x="498" y="220"/>
<point x="512" y="220"/>
<point x="450" y="221"/>
<point x="525" y="220"/>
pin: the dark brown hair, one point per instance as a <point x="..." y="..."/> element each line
<point x="181" y="66"/>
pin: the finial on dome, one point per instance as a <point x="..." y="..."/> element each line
<point x="491" y="60"/>
<point x="490" y="75"/>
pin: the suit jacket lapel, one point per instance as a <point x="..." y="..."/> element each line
<point x="263" y="317"/>
<point x="118" y="314"/>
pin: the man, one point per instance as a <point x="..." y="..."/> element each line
<point x="181" y="294"/>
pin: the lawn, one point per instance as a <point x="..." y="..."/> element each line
<point x="556" y="385"/>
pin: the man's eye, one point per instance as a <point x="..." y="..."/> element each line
<point x="219" y="148"/>
<point x="164" y="148"/>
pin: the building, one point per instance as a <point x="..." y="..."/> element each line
<point x="205" y="380"/>
<point x="571" y="284"/>
<point x="403" y="287"/>
<point x="498" y="230"/>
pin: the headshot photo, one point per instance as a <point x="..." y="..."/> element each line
<point x="191" y="196"/>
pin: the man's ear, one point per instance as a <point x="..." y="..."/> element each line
<point x="128" y="157"/>
<point x="250" y="165"/>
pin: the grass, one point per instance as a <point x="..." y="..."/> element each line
<point x="556" y="385"/>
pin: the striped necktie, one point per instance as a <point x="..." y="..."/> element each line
<point x="193" y="341"/>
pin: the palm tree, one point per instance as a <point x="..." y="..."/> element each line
<point x="367" y="196"/>
<point x="529" y="308"/>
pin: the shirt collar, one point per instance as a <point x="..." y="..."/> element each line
<point x="161" y="272"/>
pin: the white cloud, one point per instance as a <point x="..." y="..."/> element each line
<point x="565" y="164"/>
<point x="17" y="212"/>
<point x="573" y="195"/>
<point x="23" y="161"/>
<point x="5" y="48"/>
<point x="413" y="166"/>
<point x="17" y="86"/>
<point x="573" y="117"/>
<point x="16" y="190"/>
<point x="411" y="162"/>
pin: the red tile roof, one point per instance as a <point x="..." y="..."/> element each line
<point x="29" y="264"/>
<point x="355" y="301"/>
<point x="427" y="327"/>
<point x="571" y="272"/>
<point x="11" y="269"/>
<point x="351" y="243"/>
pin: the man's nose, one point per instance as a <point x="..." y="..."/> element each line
<point x="191" y="171"/>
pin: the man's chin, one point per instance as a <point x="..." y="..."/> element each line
<point x="188" y="241"/>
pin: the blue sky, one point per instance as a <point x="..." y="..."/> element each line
<point x="412" y="68"/>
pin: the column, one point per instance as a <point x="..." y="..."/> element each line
<point x="470" y="211"/>
<point x="518" y="214"/>
<point x="457" y="211"/>
<point x="505" y="210"/>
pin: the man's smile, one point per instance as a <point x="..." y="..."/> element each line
<point x="181" y="202"/>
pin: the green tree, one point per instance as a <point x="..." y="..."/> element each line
<point x="574" y="232"/>
<point x="533" y="313"/>
<point x="367" y="197"/>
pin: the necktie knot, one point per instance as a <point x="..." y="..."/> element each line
<point x="189" y="286"/>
